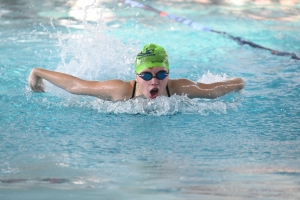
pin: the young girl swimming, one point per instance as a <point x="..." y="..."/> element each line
<point x="152" y="80"/>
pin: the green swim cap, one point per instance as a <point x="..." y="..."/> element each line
<point x="152" y="55"/>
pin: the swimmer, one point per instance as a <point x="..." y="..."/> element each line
<point x="152" y="80"/>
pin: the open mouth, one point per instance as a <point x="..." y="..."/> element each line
<point x="154" y="91"/>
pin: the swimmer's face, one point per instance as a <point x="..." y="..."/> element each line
<point x="154" y="87"/>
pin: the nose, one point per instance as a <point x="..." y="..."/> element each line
<point x="154" y="81"/>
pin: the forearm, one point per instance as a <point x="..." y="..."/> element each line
<point x="222" y="88"/>
<point x="61" y="80"/>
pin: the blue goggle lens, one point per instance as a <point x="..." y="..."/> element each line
<point x="147" y="76"/>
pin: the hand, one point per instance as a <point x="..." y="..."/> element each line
<point x="36" y="83"/>
<point x="240" y="83"/>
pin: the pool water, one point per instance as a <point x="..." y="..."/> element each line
<point x="244" y="145"/>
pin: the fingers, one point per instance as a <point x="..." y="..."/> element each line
<point x="36" y="84"/>
<point x="39" y="87"/>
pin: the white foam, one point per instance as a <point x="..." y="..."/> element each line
<point x="94" y="52"/>
<point x="210" y="78"/>
<point x="157" y="107"/>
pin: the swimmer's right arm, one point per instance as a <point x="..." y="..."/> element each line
<point x="61" y="80"/>
<point x="35" y="82"/>
<point x="107" y="90"/>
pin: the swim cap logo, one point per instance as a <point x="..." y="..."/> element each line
<point x="151" y="56"/>
<point x="157" y="61"/>
<point x="149" y="52"/>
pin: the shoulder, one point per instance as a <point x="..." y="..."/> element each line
<point x="113" y="90"/>
<point x="181" y="81"/>
<point x="116" y="83"/>
<point x="122" y="89"/>
<point x="180" y="86"/>
<point x="188" y="87"/>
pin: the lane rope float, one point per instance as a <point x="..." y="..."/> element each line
<point x="200" y="27"/>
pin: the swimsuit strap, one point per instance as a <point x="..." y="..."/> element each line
<point x="133" y="92"/>
<point x="134" y="87"/>
<point x="168" y="91"/>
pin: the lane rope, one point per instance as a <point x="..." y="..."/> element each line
<point x="200" y="27"/>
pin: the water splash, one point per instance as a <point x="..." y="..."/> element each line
<point x="210" y="78"/>
<point x="94" y="53"/>
<point x="160" y="106"/>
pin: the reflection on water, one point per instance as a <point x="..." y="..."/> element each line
<point x="75" y="10"/>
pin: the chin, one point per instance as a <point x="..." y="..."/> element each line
<point x="153" y="96"/>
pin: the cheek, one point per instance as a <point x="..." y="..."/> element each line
<point x="139" y="81"/>
<point x="142" y="85"/>
<point x="165" y="82"/>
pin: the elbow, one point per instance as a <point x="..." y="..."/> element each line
<point x="73" y="89"/>
<point x="218" y="92"/>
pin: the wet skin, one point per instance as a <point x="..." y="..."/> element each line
<point x="154" y="87"/>
<point x="119" y="90"/>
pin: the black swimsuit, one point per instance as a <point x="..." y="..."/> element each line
<point x="134" y="87"/>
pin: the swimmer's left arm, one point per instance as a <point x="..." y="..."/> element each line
<point x="210" y="91"/>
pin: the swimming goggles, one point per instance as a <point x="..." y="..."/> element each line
<point x="147" y="76"/>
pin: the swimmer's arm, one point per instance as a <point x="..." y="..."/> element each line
<point x="211" y="90"/>
<point x="107" y="90"/>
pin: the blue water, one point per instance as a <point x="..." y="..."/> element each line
<point x="55" y="145"/>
